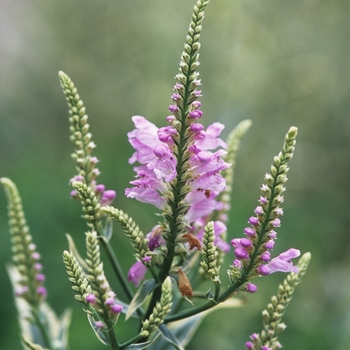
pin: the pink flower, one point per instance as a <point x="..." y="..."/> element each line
<point x="108" y="197"/>
<point x="137" y="273"/>
<point x="209" y="139"/>
<point x="283" y="262"/>
<point x="143" y="139"/>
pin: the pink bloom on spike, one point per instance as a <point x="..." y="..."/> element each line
<point x="237" y="263"/>
<point x="195" y="114"/>
<point x="254" y="336"/>
<point x="263" y="200"/>
<point x="109" y="301"/>
<point x="99" y="324"/>
<point x="249" y="345"/>
<point x="201" y="205"/>
<point x="270" y="244"/>
<point x="164" y="164"/>
<point x="137" y="273"/>
<point x="283" y="262"/>
<point x="166" y="134"/>
<point x="40" y="277"/>
<point x="241" y="253"/>
<point x="143" y="139"/>
<point x="253" y="221"/>
<point x="116" y="308"/>
<point x="276" y="222"/>
<point x="42" y="291"/>
<point x="196" y="127"/>
<point x="90" y="299"/>
<point x="258" y="210"/>
<point x="251" y="288"/>
<point x="99" y="188"/>
<point x="209" y="139"/>
<point x="173" y="108"/>
<point x="108" y="197"/>
<point x="35" y="256"/>
<point x="249" y="232"/>
<point x="264" y="270"/>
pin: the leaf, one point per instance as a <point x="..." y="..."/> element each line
<point x="180" y="333"/>
<point x="170" y="337"/>
<point x="31" y="345"/>
<point x="108" y="229"/>
<point x="101" y="335"/>
<point x="144" y="345"/>
<point x="74" y="251"/>
<point x="63" y="328"/>
<point x="145" y="289"/>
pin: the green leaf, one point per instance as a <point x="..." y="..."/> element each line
<point x="170" y="337"/>
<point x="145" y="289"/>
<point x="108" y="228"/>
<point x="31" y="345"/>
<point x="63" y="328"/>
<point x="101" y="335"/>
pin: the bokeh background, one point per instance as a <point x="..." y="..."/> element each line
<point x="278" y="63"/>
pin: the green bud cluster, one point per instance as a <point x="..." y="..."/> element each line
<point x="209" y="254"/>
<point x="130" y="228"/>
<point x="23" y="248"/>
<point x="79" y="128"/>
<point x="77" y="277"/>
<point x="161" y="309"/>
<point x="90" y="203"/>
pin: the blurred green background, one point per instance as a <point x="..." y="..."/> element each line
<point x="278" y="63"/>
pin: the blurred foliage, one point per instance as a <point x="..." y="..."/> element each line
<point x="279" y="63"/>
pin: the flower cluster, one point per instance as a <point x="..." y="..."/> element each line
<point x="158" y="165"/>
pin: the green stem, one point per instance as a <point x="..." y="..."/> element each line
<point x="113" y="339"/>
<point x="175" y="220"/>
<point x="230" y="292"/>
<point x="133" y="340"/>
<point x="116" y="267"/>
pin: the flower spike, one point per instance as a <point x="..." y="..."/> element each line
<point x="160" y="311"/>
<point x="80" y="135"/>
<point x="209" y="254"/>
<point x="272" y="316"/>
<point x="130" y="228"/>
<point x="82" y="139"/>
<point x="90" y="203"/>
<point x="253" y="252"/>
<point x="77" y="277"/>
<point x="102" y="297"/>
<point x="25" y="254"/>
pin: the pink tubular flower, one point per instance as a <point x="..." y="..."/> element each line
<point x="209" y="139"/>
<point x="99" y="324"/>
<point x="108" y="197"/>
<point x="251" y="288"/>
<point x="283" y="262"/>
<point x="90" y="299"/>
<point x="249" y="345"/>
<point x="143" y="139"/>
<point x="137" y="273"/>
<point x="116" y="308"/>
